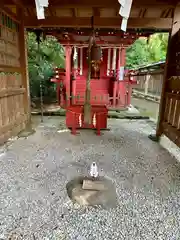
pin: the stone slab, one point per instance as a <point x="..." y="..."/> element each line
<point x="97" y="185"/>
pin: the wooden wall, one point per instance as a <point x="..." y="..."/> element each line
<point x="14" y="110"/>
<point x="149" y="85"/>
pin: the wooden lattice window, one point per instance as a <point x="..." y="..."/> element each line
<point x="9" y="45"/>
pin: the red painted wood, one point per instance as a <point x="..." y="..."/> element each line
<point x="115" y="89"/>
<point x="105" y="92"/>
<point x="68" y="50"/>
<point x="122" y="93"/>
<point x="73" y="113"/>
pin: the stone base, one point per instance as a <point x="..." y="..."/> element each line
<point x="90" y="197"/>
<point x="154" y="137"/>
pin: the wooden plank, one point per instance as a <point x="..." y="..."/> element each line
<point x="54" y="21"/>
<point x="167" y="109"/>
<point x="172" y="133"/>
<point x="11" y="92"/>
<point x="173" y="84"/>
<point x="175" y="96"/>
<point x="172" y="111"/>
<point x="11" y="125"/>
<point x="153" y="72"/>
<point x="5" y="68"/>
<point x="177" y="115"/>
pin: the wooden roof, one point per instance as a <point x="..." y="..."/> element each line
<point x="145" y="14"/>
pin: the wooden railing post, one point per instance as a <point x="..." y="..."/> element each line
<point x="24" y="65"/>
<point x="146" y="85"/>
<point x="68" y="50"/>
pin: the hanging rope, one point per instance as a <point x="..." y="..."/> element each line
<point x="38" y="39"/>
<point x="87" y="105"/>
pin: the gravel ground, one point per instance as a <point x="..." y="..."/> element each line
<point x="34" y="172"/>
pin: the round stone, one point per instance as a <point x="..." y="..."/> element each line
<point x="98" y="192"/>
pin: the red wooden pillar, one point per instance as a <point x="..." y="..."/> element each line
<point x="122" y="83"/>
<point x="115" y="93"/>
<point x="115" y="87"/>
<point x="68" y="50"/>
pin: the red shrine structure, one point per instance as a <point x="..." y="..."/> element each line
<point x="65" y="18"/>
<point x="110" y="84"/>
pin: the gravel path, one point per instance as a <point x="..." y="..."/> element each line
<point x="34" y="173"/>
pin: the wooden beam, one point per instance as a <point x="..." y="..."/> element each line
<point x="151" y="23"/>
<point x="6" y="68"/>
<point x="121" y="42"/>
<point x="8" y="12"/>
<point x="74" y="12"/>
<point x="18" y="3"/>
<point x="168" y="71"/>
<point x="96" y="12"/>
<point x="142" y="13"/>
<point x="99" y="3"/>
<point x="11" y="92"/>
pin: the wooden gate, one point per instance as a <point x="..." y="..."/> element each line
<point x="14" y="97"/>
<point x="169" y="118"/>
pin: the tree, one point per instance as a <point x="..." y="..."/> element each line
<point x="41" y="63"/>
<point x="147" y="50"/>
<point x="137" y="54"/>
<point x="157" y="47"/>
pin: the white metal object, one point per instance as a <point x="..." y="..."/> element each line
<point x="40" y="5"/>
<point x="121" y="73"/>
<point x="75" y="53"/>
<point x="94" y="120"/>
<point x="94" y="170"/>
<point x="108" y="61"/>
<point x="114" y="59"/>
<point x="124" y="11"/>
<point x="80" y="120"/>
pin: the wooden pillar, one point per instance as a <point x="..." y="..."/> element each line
<point x="68" y="50"/>
<point x="24" y="65"/>
<point x="168" y="70"/>
<point x="121" y="83"/>
<point x="81" y="61"/>
<point x="146" y="85"/>
<point x="115" y="82"/>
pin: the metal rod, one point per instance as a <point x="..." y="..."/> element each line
<point x="40" y="85"/>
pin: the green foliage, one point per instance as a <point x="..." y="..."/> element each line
<point x="145" y="51"/>
<point x="41" y="63"/>
<point x="137" y="54"/>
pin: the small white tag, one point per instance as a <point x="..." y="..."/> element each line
<point x="124" y="24"/>
<point x="121" y="74"/>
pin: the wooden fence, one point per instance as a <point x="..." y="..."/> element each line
<point x="149" y="83"/>
<point x="13" y="78"/>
